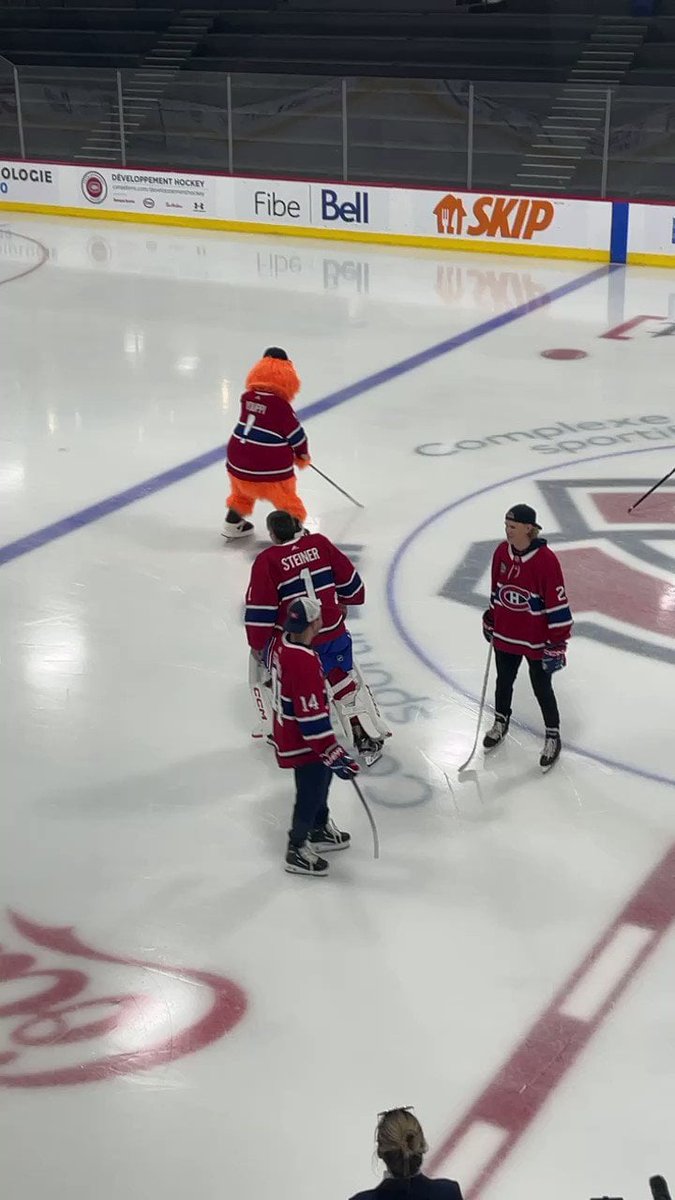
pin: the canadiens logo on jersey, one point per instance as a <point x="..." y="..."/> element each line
<point x="513" y="597"/>
<point x="619" y="569"/>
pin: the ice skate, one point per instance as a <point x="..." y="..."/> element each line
<point x="235" y="526"/>
<point x="551" y="752"/>
<point x="499" y="730"/>
<point x="329" y="837"/>
<point x="302" y="860"/>
<point x="370" y="749"/>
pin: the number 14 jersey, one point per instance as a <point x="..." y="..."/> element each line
<point x="310" y="565"/>
<point x="302" y="728"/>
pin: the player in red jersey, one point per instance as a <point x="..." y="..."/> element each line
<point x="529" y="617"/>
<point x="267" y="443"/>
<point x="304" y="739"/>
<point x="308" y="564"/>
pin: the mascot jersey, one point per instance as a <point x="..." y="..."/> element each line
<point x="268" y="438"/>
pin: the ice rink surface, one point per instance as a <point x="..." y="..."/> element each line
<point x="177" y="1015"/>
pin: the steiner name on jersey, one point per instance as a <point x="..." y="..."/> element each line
<point x="301" y="558"/>
<point x="309" y="566"/>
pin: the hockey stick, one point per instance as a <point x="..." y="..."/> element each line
<point x="336" y="486"/>
<point x="480" y="710"/>
<point x="652" y="489"/>
<point x="373" y="826"/>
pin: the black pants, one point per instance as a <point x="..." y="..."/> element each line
<point x="542" y="686"/>
<point x="312" y="782"/>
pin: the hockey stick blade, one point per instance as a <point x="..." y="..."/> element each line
<point x="336" y="486"/>
<point x="481" y="707"/>
<point x="652" y="489"/>
<point x="373" y="826"/>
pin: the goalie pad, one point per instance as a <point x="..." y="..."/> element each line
<point x="259" y="680"/>
<point x="357" y="701"/>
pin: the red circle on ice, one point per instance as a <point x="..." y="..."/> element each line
<point x="564" y="354"/>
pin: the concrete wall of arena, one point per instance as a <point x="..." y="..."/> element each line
<point x="539" y="226"/>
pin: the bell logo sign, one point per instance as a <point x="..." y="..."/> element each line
<point x="493" y="216"/>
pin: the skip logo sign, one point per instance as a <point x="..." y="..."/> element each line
<point x="493" y="216"/>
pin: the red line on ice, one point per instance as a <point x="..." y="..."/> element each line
<point x="513" y="1098"/>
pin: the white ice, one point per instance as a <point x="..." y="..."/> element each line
<point x="137" y="810"/>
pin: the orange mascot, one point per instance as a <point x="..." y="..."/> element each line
<point x="267" y="444"/>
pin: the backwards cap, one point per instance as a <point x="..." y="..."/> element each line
<point x="522" y="514"/>
<point x="301" y="614"/>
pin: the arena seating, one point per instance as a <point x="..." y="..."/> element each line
<point x="521" y="40"/>
<point x="96" y="36"/>
<point x="340" y="36"/>
<point x="408" y="63"/>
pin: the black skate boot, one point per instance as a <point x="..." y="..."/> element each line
<point x="235" y="526"/>
<point x="498" y="732"/>
<point x="551" y="752"/>
<point x="302" y="860"/>
<point x="369" y="748"/>
<point x="329" y="837"/>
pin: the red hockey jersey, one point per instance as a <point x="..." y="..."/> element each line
<point x="267" y="439"/>
<point x="302" y="728"/>
<point x="310" y="565"/>
<point x="528" y="601"/>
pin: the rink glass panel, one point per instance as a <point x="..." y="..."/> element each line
<point x="70" y="114"/>
<point x="435" y="132"/>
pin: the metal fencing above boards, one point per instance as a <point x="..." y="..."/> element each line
<point x="439" y="132"/>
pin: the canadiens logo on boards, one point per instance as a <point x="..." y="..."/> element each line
<point x="94" y="187"/>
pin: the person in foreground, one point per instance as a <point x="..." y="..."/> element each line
<point x="529" y="617"/>
<point x="401" y="1146"/>
<point x="304" y="739"/>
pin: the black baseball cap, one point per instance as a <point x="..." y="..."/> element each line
<point x="276" y="352"/>
<point x="523" y="515"/>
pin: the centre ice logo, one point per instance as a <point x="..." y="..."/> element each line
<point x="518" y="218"/>
<point x="619" y="569"/>
<point x="72" y="1014"/>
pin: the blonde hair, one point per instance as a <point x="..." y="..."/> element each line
<point x="400" y="1142"/>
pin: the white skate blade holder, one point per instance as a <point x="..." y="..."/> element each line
<point x="370" y="757"/>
